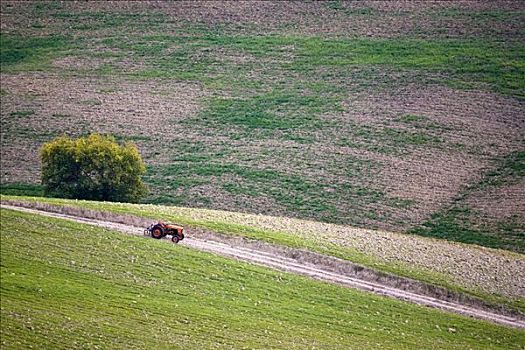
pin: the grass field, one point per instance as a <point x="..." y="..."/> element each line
<point x="86" y="287"/>
<point x="490" y="275"/>
<point x="372" y="114"/>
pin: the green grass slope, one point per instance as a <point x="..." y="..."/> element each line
<point x="483" y="273"/>
<point x="69" y="285"/>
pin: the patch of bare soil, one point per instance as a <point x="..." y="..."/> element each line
<point x="500" y="203"/>
<point x="77" y="64"/>
<point x="440" y="18"/>
<point x="473" y="128"/>
<point x="134" y="110"/>
<point x="465" y="5"/>
<point x="71" y="62"/>
<point x="317" y="18"/>
<point x="367" y="18"/>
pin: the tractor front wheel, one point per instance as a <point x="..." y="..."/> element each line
<point x="176" y="238"/>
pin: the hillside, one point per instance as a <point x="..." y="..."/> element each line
<point x="89" y="287"/>
<point x="433" y="267"/>
<point x="407" y="117"/>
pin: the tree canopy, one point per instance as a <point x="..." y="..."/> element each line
<point x="94" y="167"/>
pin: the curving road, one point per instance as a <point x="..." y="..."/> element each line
<point x="283" y="263"/>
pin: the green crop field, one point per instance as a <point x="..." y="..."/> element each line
<point x="86" y="287"/>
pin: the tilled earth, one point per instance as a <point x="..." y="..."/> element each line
<point x="344" y="18"/>
<point x="129" y="110"/>
<point x="396" y="148"/>
<point x="473" y="128"/>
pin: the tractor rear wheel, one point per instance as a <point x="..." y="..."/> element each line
<point x="157" y="233"/>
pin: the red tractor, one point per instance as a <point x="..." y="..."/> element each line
<point x="161" y="229"/>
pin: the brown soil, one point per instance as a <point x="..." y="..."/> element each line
<point x="349" y="19"/>
<point x="136" y="109"/>
<point x="474" y="128"/>
<point x="483" y="124"/>
<point x="501" y="203"/>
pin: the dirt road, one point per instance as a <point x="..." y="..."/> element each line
<point x="279" y="261"/>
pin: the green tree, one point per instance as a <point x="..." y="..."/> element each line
<point x="93" y="167"/>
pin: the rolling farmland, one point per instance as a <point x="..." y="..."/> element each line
<point x="400" y="117"/>
<point x="386" y="136"/>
